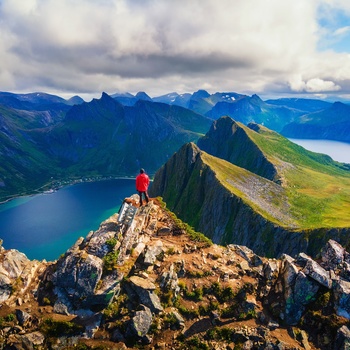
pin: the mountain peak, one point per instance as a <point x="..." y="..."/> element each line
<point x="229" y="140"/>
<point x="201" y="94"/>
<point x="141" y="95"/>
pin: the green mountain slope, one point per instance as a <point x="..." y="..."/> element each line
<point x="317" y="187"/>
<point x="231" y="204"/>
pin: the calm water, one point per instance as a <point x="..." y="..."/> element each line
<point x="339" y="151"/>
<point x="45" y="226"/>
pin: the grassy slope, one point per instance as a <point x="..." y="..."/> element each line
<point x="317" y="188"/>
<point x="264" y="196"/>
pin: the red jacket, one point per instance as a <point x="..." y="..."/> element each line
<point x="142" y="182"/>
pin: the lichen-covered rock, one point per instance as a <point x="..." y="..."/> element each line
<point x="151" y="253"/>
<point x="332" y="255"/>
<point x="140" y="323"/>
<point x="341" y="292"/>
<point x="77" y="275"/>
<point x="318" y="273"/>
<point x="145" y="291"/>
<point x="299" y="290"/>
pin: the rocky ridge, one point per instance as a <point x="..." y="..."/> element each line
<point x="145" y="279"/>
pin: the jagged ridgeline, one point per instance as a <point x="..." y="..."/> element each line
<point x="99" y="138"/>
<point x="251" y="186"/>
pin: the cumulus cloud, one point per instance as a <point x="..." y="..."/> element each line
<point x="87" y="46"/>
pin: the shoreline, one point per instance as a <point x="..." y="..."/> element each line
<point x="51" y="188"/>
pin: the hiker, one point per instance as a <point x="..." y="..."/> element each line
<point x="142" y="182"/>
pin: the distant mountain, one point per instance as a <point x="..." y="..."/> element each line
<point x="127" y="99"/>
<point x="75" y="100"/>
<point x="233" y="204"/>
<point x="105" y="137"/>
<point x="141" y="95"/>
<point x="38" y="99"/>
<point x="200" y="101"/>
<point x="22" y="165"/>
<point x="332" y="123"/>
<point x="174" y="98"/>
<point x="253" y="109"/>
<point x="303" y="104"/>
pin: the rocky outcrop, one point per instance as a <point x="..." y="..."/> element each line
<point x="173" y="289"/>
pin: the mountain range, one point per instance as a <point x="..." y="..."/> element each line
<point x="45" y="138"/>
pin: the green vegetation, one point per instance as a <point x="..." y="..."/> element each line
<point x="315" y="190"/>
<point x="180" y="225"/>
<point x="109" y="261"/>
<point x="53" y="328"/>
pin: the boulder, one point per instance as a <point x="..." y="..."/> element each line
<point x="79" y="274"/>
<point x="140" y="323"/>
<point x="33" y="340"/>
<point x="299" y="290"/>
<point x="145" y="292"/>
<point x="169" y="281"/>
<point x="318" y="273"/>
<point x="5" y="287"/>
<point x="342" y="340"/>
<point x="247" y="254"/>
<point x="14" y="262"/>
<point x="151" y="253"/>
<point x="23" y="317"/>
<point x="332" y="255"/>
<point x="341" y="291"/>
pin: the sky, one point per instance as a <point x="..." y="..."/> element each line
<point x="274" y="48"/>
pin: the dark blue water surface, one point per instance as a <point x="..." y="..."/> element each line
<point x="44" y="226"/>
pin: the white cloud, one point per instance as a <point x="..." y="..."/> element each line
<point x="86" y="46"/>
<point x="342" y="31"/>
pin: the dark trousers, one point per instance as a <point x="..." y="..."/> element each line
<point x="146" y="196"/>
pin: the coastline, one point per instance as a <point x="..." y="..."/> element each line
<point x="55" y="185"/>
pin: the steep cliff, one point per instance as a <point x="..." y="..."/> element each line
<point x="232" y="205"/>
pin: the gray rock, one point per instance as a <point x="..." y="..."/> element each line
<point x="332" y="255"/>
<point x="140" y="323"/>
<point x="341" y="291"/>
<point x="145" y="291"/>
<point x="14" y="263"/>
<point x="299" y="290"/>
<point x="78" y="274"/>
<point x="180" y="322"/>
<point x="305" y="289"/>
<point x="92" y="324"/>
<point x="318" y="273"/>
<point x="169" y="281"/>
<point x="33" y="340"/>
<point x="5" y="288"/>
<point x="151" y="253"/>
<point x="342" y="340"/>
<point x="247" y="254"/>
<point x="23" y="317"/>
<point x="164" y="231"/>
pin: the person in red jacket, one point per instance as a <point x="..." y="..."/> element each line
<point x="142" y="183"/>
